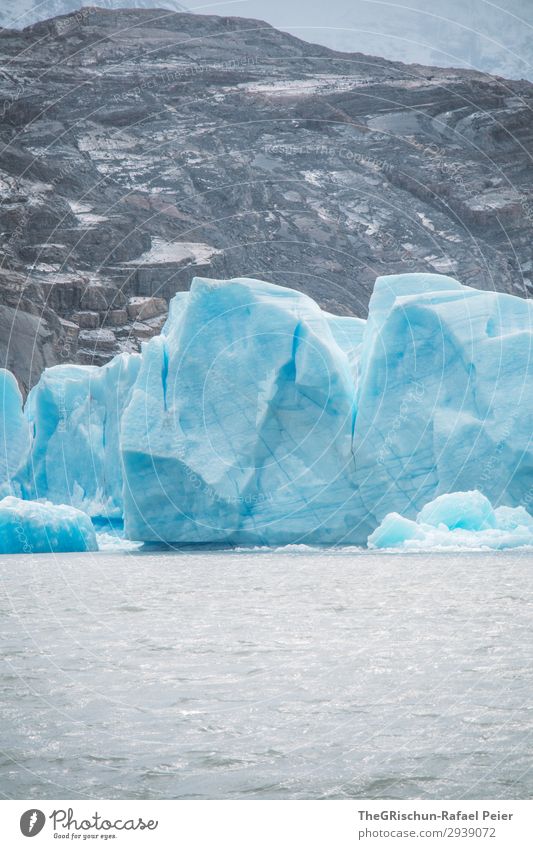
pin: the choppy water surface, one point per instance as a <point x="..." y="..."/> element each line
<point x="267" y="675"/>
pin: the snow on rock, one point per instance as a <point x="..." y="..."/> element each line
<point x="74" y="413"/>
<point x="31" y="527"/>
<point x="14" y="432"/>
<point x="457" y="520"/>
<point x="239" y="429"/>
<point x="165" y="253"/>
<point x="146" y="307"/>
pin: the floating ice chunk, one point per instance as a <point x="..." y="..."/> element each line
<point x="510" y="518"/>
<point x="14" y="433"/>
<point x="456" y="520"/>
<point x="31" y="527"/>
<point x="74" y="412"/>
<point x="394" y="530"/>
<point x="471" y="511"/>
<point x="113" y="541"/>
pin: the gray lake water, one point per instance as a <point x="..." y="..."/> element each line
<point x="287" y="674"/>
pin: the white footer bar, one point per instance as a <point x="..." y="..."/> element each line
<point x="268" y="824"/>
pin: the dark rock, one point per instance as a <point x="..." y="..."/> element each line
<point x="27" y="345"/>
<point x="87" y="320"/>
<point x="115" y="318"/>
<point x="97" y="340"/>
<point x="144" y="308"/>
<point x="139" y="150"/>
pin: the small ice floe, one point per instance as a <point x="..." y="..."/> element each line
<point x="456" y="520"/>
<point x="34" y="527"/>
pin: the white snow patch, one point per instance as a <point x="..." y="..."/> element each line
<point x="163" y="252"/>
<point x="308" y="85"/>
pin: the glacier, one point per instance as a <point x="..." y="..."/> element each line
<point x="14" y="433"/>
<point x="32" y="527"/>
<point x="240" y="425"/>
<point x="445" y="397"/>
<point x="458" y="520"/>
<point x="74" y="415"/>
<point x="257" y="418"/>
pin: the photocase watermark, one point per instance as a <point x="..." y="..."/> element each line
<point x="66" y="825"/>
<point x="182" y="72"/>
<point x="489" y="468"/>
<point x="198" y="484"/>
<point x="527" y="500"/>
<point x="32" y="822"/>
<point x="454" y="171"/>
<point x="11" y="99"/>
<point x="62" y="27"/>
<point x="413" y="397"/>
<point x="9" y="249"/>
<point x="25" y="545"/>
<point x="62" y="410"/>
<point x="342" y="152"/>
<point x="65" y="24"/>
<point x="527" y="208"/>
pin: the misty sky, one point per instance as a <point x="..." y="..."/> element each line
<point x="493" y="36"/>
<point x="489" y="35"/>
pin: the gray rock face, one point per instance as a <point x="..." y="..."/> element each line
<point x="139" y="148"/>
<point x="17" y="14"/>
<point x="143" y="308"/>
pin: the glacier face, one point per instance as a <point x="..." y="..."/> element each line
<point x="30" y="527"/>
<point x="259" y="419"/>
<point x="445" y="399"/>
<point x="240" y="425"/>
<point x="14" y="433"/>
<point x="74" y="415"/>
<point x="256" y="418"/>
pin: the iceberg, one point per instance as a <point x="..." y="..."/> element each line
<point x="445" y="397"/>
<point x="74" y="416"/>
<point x="240" y="425"/>
<point x="30" y="527"/>
<point x="460" y="520"/>
<point x="257" y="418"/>
<point x="14" y="433"/>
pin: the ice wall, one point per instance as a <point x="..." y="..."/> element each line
<point x="74" y="414"/>
<point x="445" y="401"/>
<point x="14" y="433"/>
<point x="257" y="418"/>
<point x="240" y="426"/>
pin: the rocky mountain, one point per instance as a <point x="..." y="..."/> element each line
<point x="479" y="34"/>
<point x="142" y="147"/>
<point x="18" y="14"/>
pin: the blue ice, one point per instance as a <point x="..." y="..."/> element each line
<point x="456" y="520"/>
<point x="31" y="527"/>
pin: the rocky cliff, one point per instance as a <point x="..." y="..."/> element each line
<point x="141" y="147"/>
